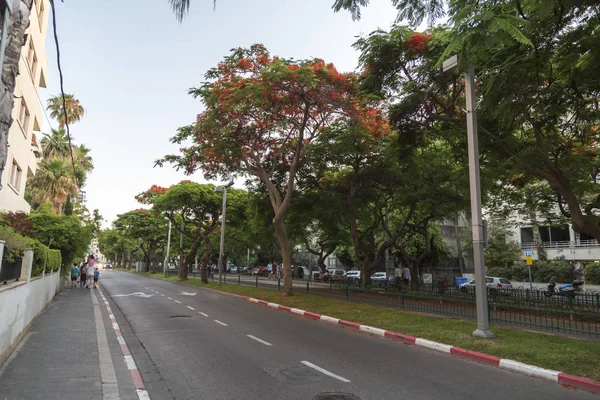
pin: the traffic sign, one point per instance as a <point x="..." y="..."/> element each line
<point x="529" y="260"/>
<point x="528" y="253"/>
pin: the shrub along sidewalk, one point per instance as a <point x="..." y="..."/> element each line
<point x="572" y="356"/>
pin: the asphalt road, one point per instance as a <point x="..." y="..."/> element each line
<point x="212" y="346"/>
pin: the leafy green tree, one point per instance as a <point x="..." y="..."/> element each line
<point x="502" y="250"/>
<point x="146" y="226"/>
<point x="539" y="52"/>
<point x="68" y="233"/>
<point x="261" y="115"/>
<point x="199" y="206"/>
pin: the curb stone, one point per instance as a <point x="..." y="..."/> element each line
<point x="510" y="365"/>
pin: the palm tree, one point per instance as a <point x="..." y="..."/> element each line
<point x="182" y="7"/>
<point x="56" y="145"/>
<point x="82" y="157"/>
<point x="74" y="109"/>
<point x="53" y="182"/>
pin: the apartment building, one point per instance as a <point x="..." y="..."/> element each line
<point x="25" y="132"/>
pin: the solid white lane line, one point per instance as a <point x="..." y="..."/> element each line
<point x="324" y="371"/>
<point x="108" y="375"/>
<point x="260" y="340"/>
<point x="201" y="313"/>
<point x="177" y="301"/>
<point x="191" y="308"/>
<point x="220" y="323"/>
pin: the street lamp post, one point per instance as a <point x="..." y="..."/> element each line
<point x="165" y="264"/>
<point x="483" y="321"/>
<point x="222" y="244"/>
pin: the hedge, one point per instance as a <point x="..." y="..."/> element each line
<point x="500" y="272"/>
<point x="591" y="274"/>
<point x="42" y="254"/>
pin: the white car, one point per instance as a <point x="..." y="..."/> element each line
<point x="352" y="276"/>
<point x="380" y="278"/>
<point x="492" y="282"/>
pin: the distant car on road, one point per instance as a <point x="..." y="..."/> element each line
<point x="107" y="266"/>
<point x="352" y="276"/>
<point x="381" y="279"/>
<point x="493" y="283"/>
<point x="233" y="270"/>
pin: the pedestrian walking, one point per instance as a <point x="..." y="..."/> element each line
<point x="96" y="278"/>
<point x="398" y="275"/>
<point x="74" y="275"/>
<point x="83" y="275"/>
<point x="406" y="275"/>
<point x="90" y="272"/>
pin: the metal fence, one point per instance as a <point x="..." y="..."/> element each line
<point x="521" y="307"/>
<point x="10" y="271"/>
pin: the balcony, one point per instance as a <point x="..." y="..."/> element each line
<point x="582" y="250"/>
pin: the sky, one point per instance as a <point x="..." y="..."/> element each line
<point x="130" y="63"/>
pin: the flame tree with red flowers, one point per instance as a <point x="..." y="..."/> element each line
<point x="261" y="115"/>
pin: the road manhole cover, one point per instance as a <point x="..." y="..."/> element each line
<point x="180" y="316"/>
<point x="335" y="396"/>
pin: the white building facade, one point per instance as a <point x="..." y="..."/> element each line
<point x="25" y="131"/>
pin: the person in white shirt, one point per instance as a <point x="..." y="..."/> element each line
<point x="90" y="273"/>
<point x="398" y="275"/>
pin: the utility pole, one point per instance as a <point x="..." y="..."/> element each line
<point x="483" y="320"/>
<point x="222" y="244"/>
<point x="166" y="263"/>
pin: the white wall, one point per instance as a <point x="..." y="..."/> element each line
<point x="24" y="139"/>
<point x="20" y="304"/>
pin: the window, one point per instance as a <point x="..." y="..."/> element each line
<point x="448" y="231"/>
<point x="32" y="60"/>
<point x="15" y="175"/>
<point x="24" y="117"/>
<point x="41" y="12"/>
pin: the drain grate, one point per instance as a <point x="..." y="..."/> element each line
<point x="180" y="316"/>
<point x="335" y="396"/>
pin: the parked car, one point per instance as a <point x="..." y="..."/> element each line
<point x="352" y="276"/>
<point x="381" y="279"/>
<point x="260" y="271"/>
<point x="233" y="270"/>
<point x="493" y="283"/>
<point x="330" y="274"/>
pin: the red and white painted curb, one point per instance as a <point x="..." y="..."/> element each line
<point x="511" y="365"/>
<point x="136" y="377"/>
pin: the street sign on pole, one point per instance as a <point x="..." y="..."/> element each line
<point x="529" y="260"/>
<point x="528" y="253"/>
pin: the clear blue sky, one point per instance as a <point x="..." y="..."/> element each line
<point x="130" y="63"/>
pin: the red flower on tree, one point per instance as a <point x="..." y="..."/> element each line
<point x="261" y="115"/>
<point x="417" y="43"/>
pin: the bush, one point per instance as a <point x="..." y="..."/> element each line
<point x="559" y="270"/>
<point x="42" y="254"/>
<point x="591" y="274"/>
<point x="520" y="272"/>
<point x="500" y="272"/>
<point x="54" y="260"/>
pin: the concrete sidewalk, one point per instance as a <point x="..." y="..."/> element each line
<point x="70" y="353"/>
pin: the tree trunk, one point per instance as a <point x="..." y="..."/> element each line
<point x="151" y="259"/>
<point x="204" y="261"/>
<point x="286" y="256"/>
<point x="321" y="263"/>
<point x="15" y="40"/>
